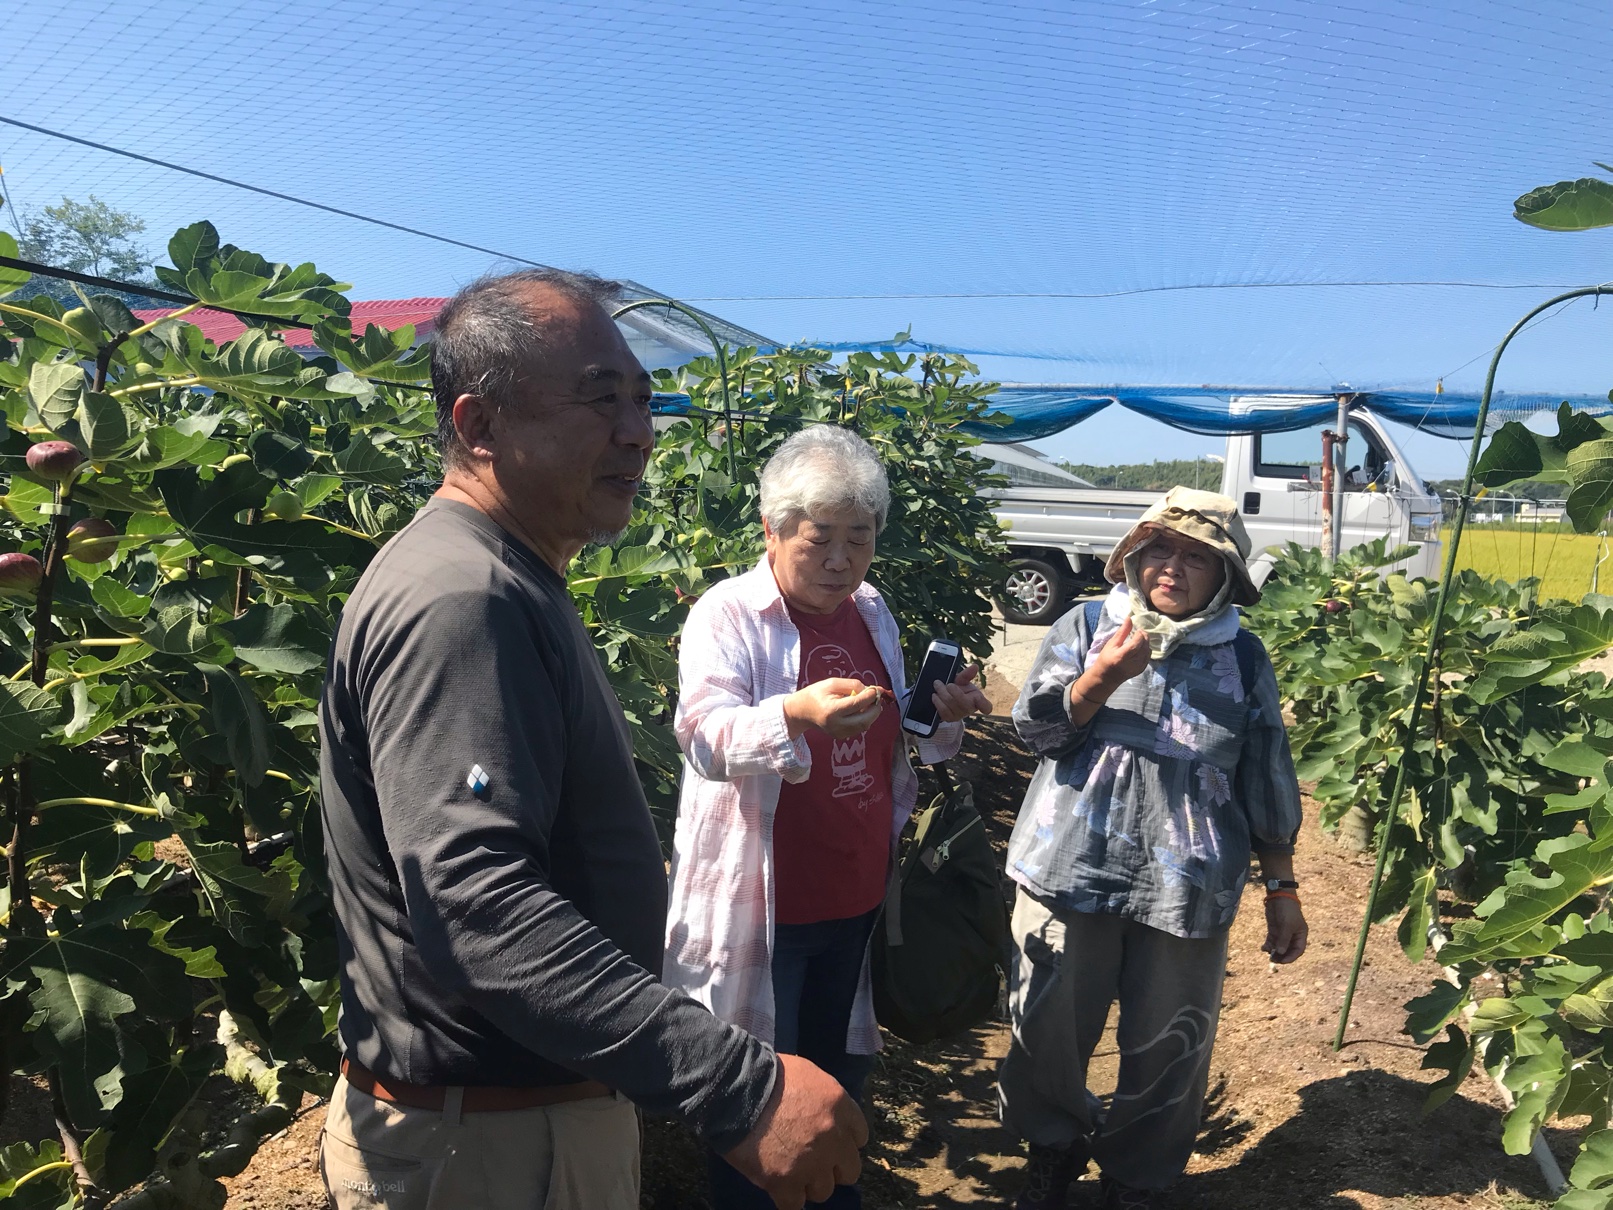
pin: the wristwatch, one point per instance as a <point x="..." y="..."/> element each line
<point x="1280" y="884"/>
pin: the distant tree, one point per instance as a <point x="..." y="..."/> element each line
<point x="1152" y="476"/>
<point x="85" y="237"/>
<point x="88" y="237"/>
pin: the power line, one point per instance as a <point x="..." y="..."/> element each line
<point x="285" y="197"/>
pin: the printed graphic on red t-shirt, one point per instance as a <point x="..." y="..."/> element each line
<point x="831" y="834"/>
<point x="848" y="758"/>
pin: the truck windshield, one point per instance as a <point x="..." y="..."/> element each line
<point x="1298" y="455"/>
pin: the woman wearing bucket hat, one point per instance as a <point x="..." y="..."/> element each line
<point x="1164" y="763"/>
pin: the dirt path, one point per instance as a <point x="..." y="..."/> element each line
<point x="1292" y="1125"/>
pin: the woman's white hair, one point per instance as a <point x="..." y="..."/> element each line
<point x="821" y="469"/>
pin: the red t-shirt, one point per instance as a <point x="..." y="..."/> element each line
<point x="832" y="833"/>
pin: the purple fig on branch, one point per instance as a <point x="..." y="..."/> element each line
<point x="54" y="461"/>
<point x="92" y="540"/>
<point x="20" y="574"/>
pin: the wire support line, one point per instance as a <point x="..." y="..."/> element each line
<point x="9" y="202"/>
<point x="88" y="279"/>
<point x="1563" y="310"/>
<point x="106" y="283"/>
<point x="1056" y="294"/>
<point x="285" y="197"/>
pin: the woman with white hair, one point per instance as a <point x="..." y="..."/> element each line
<point x="797" y="779"/>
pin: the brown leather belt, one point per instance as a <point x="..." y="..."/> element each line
<point x="478" y="1099"/>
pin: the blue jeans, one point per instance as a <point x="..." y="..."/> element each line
<point x="815" y="972"/>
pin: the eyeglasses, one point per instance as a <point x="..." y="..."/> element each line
<point x="1189" y="558"/>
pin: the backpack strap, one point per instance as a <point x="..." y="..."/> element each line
<point x="1094" y="614"/>
<point x="1249" y="652"/>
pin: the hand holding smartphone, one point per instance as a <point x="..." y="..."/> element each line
<point x="941" y="663"/>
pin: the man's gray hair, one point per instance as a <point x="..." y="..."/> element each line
<point x="822" y="468"/>
<point x="487" y="340"/>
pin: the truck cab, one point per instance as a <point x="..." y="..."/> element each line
<point x="1276" y="480"/>
<point x="1061" y="528"/>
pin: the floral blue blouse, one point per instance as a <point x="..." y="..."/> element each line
<point x="1152" y="809"/>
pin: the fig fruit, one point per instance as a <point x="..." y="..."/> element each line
<point x="20" y="574"/>
<point x="83" y="321"/>
<point x="1335" y="606"/>
<point x="92" y="540"/>
<point x="55" y="461"/>
<point x="284" y="506"/>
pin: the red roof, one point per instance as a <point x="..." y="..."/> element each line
<point x="389" y="313"/>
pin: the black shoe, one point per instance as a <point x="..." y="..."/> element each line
<point x="1049" y="1173"/>
<point x="1123" y="1197"/>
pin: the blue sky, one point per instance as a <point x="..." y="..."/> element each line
<point x="842" y="170"/>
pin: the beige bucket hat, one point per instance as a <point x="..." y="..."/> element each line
<point x="1206" y="517"/>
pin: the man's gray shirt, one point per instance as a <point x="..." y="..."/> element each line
<point x="499" y="889"/>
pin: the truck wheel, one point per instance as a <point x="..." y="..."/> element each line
<point x="1033" y="593"/>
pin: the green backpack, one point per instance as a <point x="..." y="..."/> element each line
<point x="941" y="942"/>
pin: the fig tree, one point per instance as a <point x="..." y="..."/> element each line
<point x="20" y="574"/>
<point x="92" y="540"/>
<point x="54" y="461"/>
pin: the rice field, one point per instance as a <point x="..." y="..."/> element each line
<point x="1563" y="560"/>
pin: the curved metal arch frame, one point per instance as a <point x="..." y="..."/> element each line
<point x="1391" y="810"/>
<point x="731" y="434"/>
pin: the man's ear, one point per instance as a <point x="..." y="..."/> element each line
<point x="473" y="421"/>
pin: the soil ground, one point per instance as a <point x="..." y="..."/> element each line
<point x="1291" y="1125"/>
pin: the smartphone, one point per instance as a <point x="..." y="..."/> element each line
<point x="940" y="664"/>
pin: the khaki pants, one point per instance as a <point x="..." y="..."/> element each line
<point x="580" y="1155"/>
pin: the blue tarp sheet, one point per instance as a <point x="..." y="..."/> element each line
<point x="1041" y="411"/>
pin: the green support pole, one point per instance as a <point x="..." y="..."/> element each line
<point x="722" y="365"/>
<point x="1392" y="811"/>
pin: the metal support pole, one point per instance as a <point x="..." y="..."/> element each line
<point x="1391" y="806"/>
<point x="1330" y="518"/>
<point x="1341" y="468"/>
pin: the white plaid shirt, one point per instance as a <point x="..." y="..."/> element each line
<point x="740" y="658"/>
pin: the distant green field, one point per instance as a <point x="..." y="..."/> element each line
<point x="1563" y="561"/>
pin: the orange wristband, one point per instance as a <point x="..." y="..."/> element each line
<point x="1270" y="895"/>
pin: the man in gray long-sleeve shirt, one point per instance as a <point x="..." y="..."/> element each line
<point x="499" y="888"/>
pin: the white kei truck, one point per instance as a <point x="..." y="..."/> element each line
<point x="1061" y="528"/>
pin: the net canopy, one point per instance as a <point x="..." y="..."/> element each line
<point x="1290" y="197"/>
